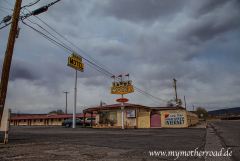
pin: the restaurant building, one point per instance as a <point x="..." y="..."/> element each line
<point x="139" y="116"/>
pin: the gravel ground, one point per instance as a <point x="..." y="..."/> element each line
<point x="60" y="143"/>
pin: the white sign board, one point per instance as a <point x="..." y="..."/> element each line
<point x="5" y="123"/>
<point x="174" y="119"/>
<point x="131" y="113"/>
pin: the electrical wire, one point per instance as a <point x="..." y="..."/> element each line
<point x="4" y="11"/>
<point x="9" y="3"/>
<point x="75" y="46"/>
<point x="7" y="9"/>
<point x="89" y="63"/>
<point x="102" y="66"/>
<point x="167" y="97"/>
<point x="103" y="69"/>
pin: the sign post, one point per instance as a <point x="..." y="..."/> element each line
<point x="122" y="108"/>
<point x="75" y="62"/>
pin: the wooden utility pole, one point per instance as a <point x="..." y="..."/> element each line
<point x="193" y="107"/>
<point x="175" y="86"/>
<point x="66" y="101"/>
<point x="8" y="56"/>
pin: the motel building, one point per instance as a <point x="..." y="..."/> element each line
<point x="139" y="116"/>
<point x="46" y="120"/>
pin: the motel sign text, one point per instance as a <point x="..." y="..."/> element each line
<point x="122" y="87"/>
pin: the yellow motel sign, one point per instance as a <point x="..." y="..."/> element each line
<point x="76" y="62"/>
<point x="122" y="87"/>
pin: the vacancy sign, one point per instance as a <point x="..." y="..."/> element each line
<point x="122" y="87"/>
<point x="76" y="62"/>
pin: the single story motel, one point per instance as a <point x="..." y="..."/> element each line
<point x="110" y="116"/>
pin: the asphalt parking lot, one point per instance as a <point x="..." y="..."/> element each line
<point x="61" y="143"/>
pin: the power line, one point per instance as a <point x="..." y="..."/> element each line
<point x="4" y="11"/>
<point x="9" y="3"/>
<point x="6" y="8"/>
<point x="75" y="45"/>
<point x="168" y="97"/>
<point x="103" y="71"/>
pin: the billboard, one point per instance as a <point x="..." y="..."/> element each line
<point x="174" y="119"/>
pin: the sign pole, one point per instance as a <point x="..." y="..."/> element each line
<point x="122" y="108"/>
<point x="75" y="102"/>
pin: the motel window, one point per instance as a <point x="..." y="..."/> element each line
<point x="24" y="120"/>
<point x="59" y="119"/>
<point x="55" y="119"/>
<point x="106" y="116"/>
<point x="41" y="120"/>
<point x="34" y="120"/>
<point x="52" y="120"/>
<point x="19" y="120"/>
<point x="11" y="120"/>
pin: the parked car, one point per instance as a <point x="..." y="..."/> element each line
<point x="68" y="123"/>
<point x="89" y="119"/>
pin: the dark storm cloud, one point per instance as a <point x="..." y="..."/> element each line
<point x="18" y="72"/>
<point x="209" y="6"/>
<point x="214" y="19"/>
<point x="21" y="69"/>
<point x="138" y="10"/>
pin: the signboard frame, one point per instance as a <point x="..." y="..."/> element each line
<point x="127" y="115"/>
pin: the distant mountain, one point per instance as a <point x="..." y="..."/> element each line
<point x="234" y="110"/>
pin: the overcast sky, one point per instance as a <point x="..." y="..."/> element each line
<point x="195" y="42"/>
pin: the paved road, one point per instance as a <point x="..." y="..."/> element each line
<point x="229" y="132"/>
<point x="60" y="143"/>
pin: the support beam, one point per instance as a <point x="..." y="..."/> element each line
<point x="84" y="117"/>
<point x="91" y="119"/>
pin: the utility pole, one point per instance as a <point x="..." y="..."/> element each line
<point x="66" y="101"/>
<point x="175" y="86"/>
<point x="185" y="103"/>
<point x="193" y="107"/>
<point x="8" y="56"/>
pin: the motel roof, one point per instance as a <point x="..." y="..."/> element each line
<point x="51" y="117"/>
<point x="118" y="105"/>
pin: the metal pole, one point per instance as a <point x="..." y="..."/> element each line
<point x="122" y="114"/>
<point x="185" y="103"/>
<point x="75" y="102"/>
<point x="66" y="101"/>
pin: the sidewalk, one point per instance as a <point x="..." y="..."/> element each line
<point x="200" y="125"/>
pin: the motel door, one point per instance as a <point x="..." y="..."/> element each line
<point x="15" y="122"/>
<point x="46" y="121"/>
<point x="29" y="122"/>
<point x="156" y="120"/>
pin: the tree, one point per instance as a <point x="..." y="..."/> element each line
<point x="58" y="112"/>
<point x="172" y="102"/>
<point x="202" y="111"/>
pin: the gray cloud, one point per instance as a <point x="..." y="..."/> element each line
<point x="196" y="42"/>
<point x="138" y="11"/>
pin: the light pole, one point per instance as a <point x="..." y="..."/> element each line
<point x="66" y="101"/>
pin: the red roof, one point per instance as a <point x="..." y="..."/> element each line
<point x="51" y="117"/>
<point x="114" y="106"/>
<point x="117" y="106"/>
